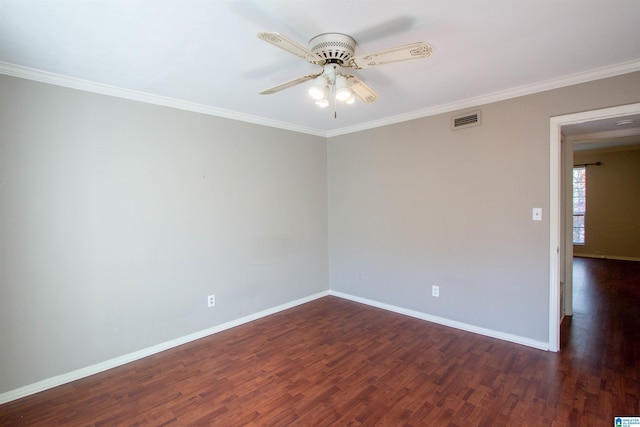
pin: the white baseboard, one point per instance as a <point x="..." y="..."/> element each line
<point x="600" y="256"/>
<point x="446" y="322"/>
<point x="127" y="358"/>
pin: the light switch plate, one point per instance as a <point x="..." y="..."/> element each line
<point x="537" y="214"/>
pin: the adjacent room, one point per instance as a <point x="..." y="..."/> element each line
<point x="341" y="213"/>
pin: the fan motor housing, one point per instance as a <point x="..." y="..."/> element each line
<point x="333" y="47"/>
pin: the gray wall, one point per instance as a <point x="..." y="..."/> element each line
<point x="118" y="218"/>
<point x="613" y="203"/>
<point x="415" y="204"/>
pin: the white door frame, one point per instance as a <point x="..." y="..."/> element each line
<point x="555" y="228"/>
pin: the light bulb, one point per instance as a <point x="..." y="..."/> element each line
<point x="351" y="99"/>
<point x="318" y="90"/>
<point x="324" y="102"/>
<point x="342" y="88"/>
<point x="343" y="94"/>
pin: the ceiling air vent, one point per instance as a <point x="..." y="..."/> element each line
<point x="466" y="120"/>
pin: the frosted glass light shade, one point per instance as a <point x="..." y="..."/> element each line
<point x="317" y="91"/>
<point x="342" y="88"/>
<point x="324" y="102"/>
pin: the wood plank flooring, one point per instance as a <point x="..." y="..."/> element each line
<point x="337" y="362"/>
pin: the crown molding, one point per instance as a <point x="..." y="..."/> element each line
<point x="577" y="78"/>
<point x="89" y="86"/>
<point x="604" y="135"/>
<point x="118" y="92"/>
<point x="603" y="148"/>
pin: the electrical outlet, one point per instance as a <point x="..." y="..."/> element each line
<point x="211" y="300"/>
<point x="435" y="291"/>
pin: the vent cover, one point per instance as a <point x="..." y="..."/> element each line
<point x="466" y="120"/>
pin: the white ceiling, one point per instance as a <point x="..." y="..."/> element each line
<point x="205" y="56"/>
<point x="604" y="133"/>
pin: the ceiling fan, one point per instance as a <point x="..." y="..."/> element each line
<point x="334" y="52"/>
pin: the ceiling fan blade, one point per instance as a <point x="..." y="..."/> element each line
<point x="264" y="15"/>
<point x="289" y="84"/>
<point x="363" y="92"/>
<point x="393" y="26"/>
<point x="417" y="50"/>
<point x="291" y="46"/>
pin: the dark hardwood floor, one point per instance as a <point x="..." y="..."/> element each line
<point x="336" y="362"/>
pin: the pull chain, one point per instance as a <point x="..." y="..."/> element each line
<point x="335" y="104"/>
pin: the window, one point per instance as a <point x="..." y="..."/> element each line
<point x="579" y="203"/>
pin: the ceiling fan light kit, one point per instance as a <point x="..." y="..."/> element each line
<point x="332" y="84"/>
<point x="334" y="52"/>
<point x="343" y="92"/>
<point x="323" y="103"/>
<point x="318" y="90"/>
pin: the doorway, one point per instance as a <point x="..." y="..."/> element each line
<point x="561" y="247"/>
